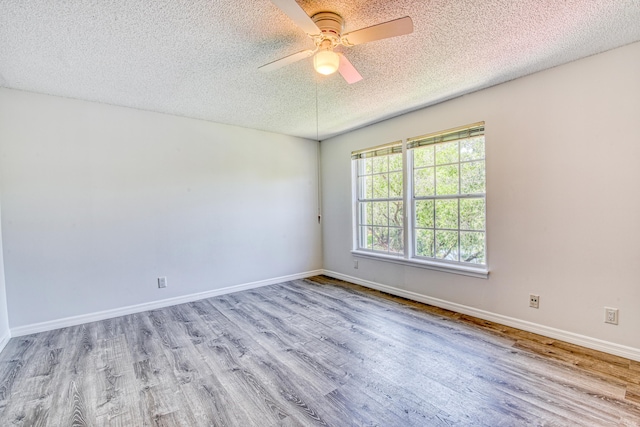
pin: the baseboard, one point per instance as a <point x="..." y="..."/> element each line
<point x="4" y="340"/>
<point x="122" y="311"/>
<point x="582" y="340"/>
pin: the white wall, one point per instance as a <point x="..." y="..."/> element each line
<point x="563" y="177"/>
<point x="98" y="201"/>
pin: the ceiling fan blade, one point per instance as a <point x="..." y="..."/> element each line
<point x="297" y="15"/>
<point x="348" y="71"/>
<point x="397" y="27"/>
<point x="286" y="60"/>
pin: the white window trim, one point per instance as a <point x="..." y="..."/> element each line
<point x="408" y="258"/>
<point x="479" y="272"/>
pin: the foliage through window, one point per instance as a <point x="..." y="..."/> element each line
<point x="445" y="195"/>
<point x="380" y="201"/>
<point x="449" y="200"/>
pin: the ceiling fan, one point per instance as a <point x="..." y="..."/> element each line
<point x="325" y="28"/>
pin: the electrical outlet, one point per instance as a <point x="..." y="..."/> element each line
<point x="534" y="301"/>
<point x="611" y="315"/>
<point x="162" y="282"/>
<point x="355" y="264"/>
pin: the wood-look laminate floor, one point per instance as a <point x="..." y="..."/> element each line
<point x="304" y="353"/>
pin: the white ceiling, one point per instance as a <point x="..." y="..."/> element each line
<point x="200" y="58"/>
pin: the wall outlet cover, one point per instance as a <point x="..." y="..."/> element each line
<point x="162" y="282"/>
<point x="611" y="315"/>
<point x="534" y="301"/>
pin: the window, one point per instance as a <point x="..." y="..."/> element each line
<point x="442" y="184"/>
<point x="380" y="201"/>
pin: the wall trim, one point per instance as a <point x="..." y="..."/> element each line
<point x="138" y="308"/>
<point x="570" y="337"/>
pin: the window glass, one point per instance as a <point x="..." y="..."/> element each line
<point x="449" y="200"/>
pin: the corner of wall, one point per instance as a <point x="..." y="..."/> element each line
<point x="5" y="333"/>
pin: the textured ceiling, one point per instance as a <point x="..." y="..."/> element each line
<point x="200" y="58"/>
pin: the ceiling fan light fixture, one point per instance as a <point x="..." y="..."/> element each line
<point x="326" y="62"/>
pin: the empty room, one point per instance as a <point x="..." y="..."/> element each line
<point x="319" y="212"/>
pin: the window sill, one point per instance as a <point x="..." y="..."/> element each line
<point x="480" y="272"/>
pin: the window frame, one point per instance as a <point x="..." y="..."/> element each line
<point x="409" y="257"/>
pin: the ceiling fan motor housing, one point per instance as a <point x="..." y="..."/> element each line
<point x="331" y="24"/>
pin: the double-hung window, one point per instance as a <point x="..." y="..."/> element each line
<point x="422" y="201"/>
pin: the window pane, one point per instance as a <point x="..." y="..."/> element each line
<point x="395" y="184"/>
<point x="472" y="149"/>
<point x="447" y="214"/>
<point x="396" y="214"/>
<point x="472" y="247"/>
<point x="424" y="243"/>
<point x="368" y="166"/>
<point x="472" y="214"/>
<point x="423" y="182"/>
<point x="447" y="180"/>
<point x="396" y="240"/>
<point x="380" y="164"/>
<point x="380" y="238"/>
<point x="423" y="156"/>
<point x="380" y="213"/>
<point x="472" y="177"/>
<point x="424" y="213"/>
<point x="447" y="245"/>
<point x="395" y="162"/>
<point x="366" y="213"/>
<point x="447" y="153"/>
<point x="380" y="186"/>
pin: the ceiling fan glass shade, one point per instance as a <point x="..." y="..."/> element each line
<point x="326" y="62"/>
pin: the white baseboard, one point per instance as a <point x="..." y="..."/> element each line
<point x="570" y="337"/>
<point x="4" y="340"/>
<point x="131" y="309"/>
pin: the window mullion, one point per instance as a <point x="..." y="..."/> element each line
<point x="459" y="248"/>
<point x="458" y="198"/>
<point x="407" y="186"/>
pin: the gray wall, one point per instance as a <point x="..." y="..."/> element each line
<point x="563" y="172"/>
<point x="98" y="201"/>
